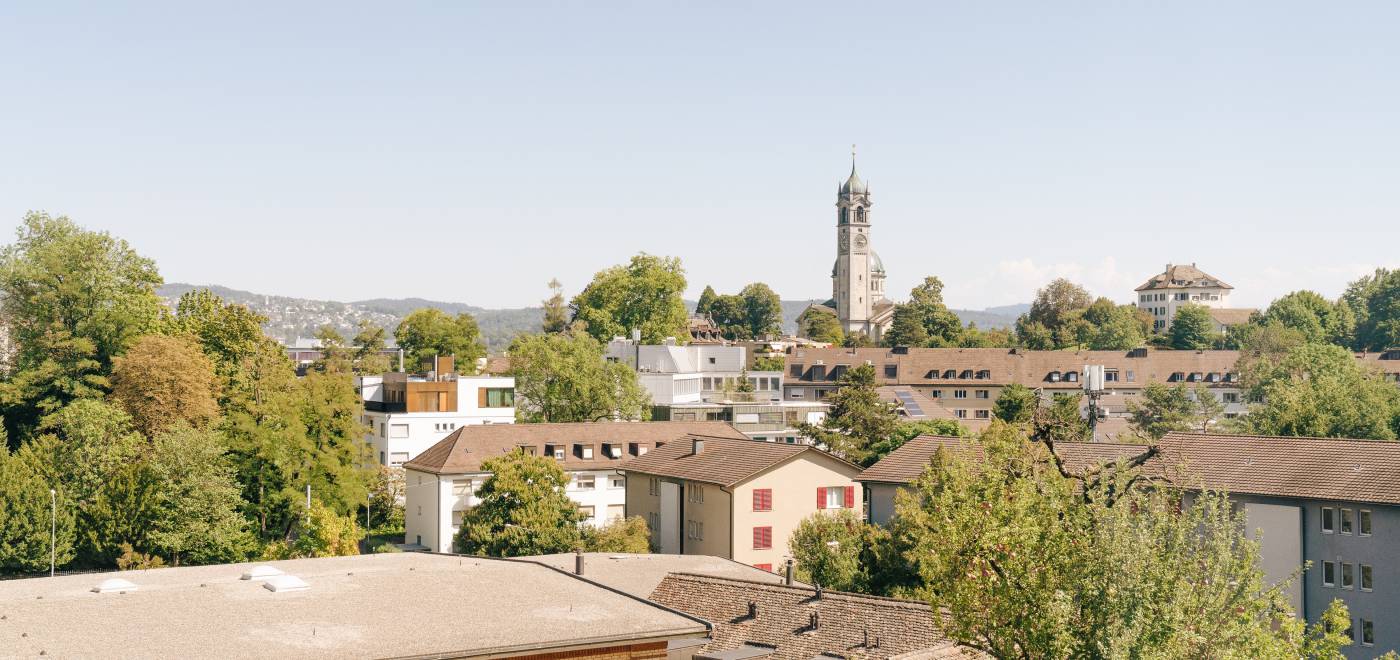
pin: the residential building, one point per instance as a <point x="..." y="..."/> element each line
<point x="407" y="413"/>
<point x="1330" y="503"/>
<point x="442" y="483"/>
<point x="304" y="351"/>
<point x="1164" y="293"/>
<point x="735" y="498"/>
<point x="768" y="421"/>
<point x="755" y="619"/>
<point x="364" y="606"/>
<point x="858" y="276"/>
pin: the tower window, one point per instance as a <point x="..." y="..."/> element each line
<point x="843" y="216"/>
<point x="860" y="214"/>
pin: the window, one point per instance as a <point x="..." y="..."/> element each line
<point x="1368" y="632"/>
<point x="1231" y="397"/>
<point x="1365" y="577"/>
<point x="584" y="451"/>
<point x="959" y="394"/>
<point x="381" y="458"/>
<point x="762" y="538"/>
<point x="891" y="370"/>
<point x="495" y="397"/>
<point x="1329" y="574"/>
<point x="398" y="430"/>
<point x="695" y="493"/>
<point x="1364" y="518"/>
<point x="461" y="488"/>
<point x="982" y="414"/>
<point x="616" y="512"/>
<point x="712" y="360"/>
<point x="763" y="499"/>
<point x="984" y="374"/>
<point x="982" y="394"/>
<point x="398" y="458"/>
<point x="795" y="371"/>
<point x="764" y="567"/>
<point x="936" y="394"/>
<point x="653" y="486"/>
<point x="1348" y="575"/>
<point x="1346" y="521"/>
<point x="695" y="530"/>
<point x="960" y="413"/>
<point x="836" y="497"/>
<point x="1110" y="375"/>
<point x="587" y="511"/>
<point x="585" y="482"/>
<point x="1328" y="524"/>
<point x="1131" y="376"/>
<point x="616" y="481"/>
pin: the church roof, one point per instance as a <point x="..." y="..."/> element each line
<point x="853" y="184"/>
<point x="876" y="265"/>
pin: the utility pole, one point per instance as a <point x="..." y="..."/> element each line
<point x="53" y="530"/>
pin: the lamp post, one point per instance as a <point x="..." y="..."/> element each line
<point x="53" y="530"/>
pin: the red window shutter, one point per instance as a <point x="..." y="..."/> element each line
<point x="850" y="497"/>
<point x="763" y="499"/>
<point x="764" y="567"/>
<point x="821" y="497"/>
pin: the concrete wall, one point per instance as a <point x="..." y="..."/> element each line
<point x="881" y="499"/>
<point x="794" y="485"/>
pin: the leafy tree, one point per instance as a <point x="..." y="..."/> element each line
<point x="827" y="549"/>
<point x="941" y="326"/>
<point x="336" y="457"/>
<point x="27" y="517"/>
<point x="857" y="420"/>
<point x="974" y="337"/>
<point x="163" y="381"/>
<point x="820" y="325"/>
<point x="523" y="510"/>
<point x="1034" y="336"/>
<point x="763" y="310"/>
<point x="1060" y="421"/>
<point x="386" y="496"/>
<point x="622" y="535"/>
<point x="368" y="345"/>
<point x="1115" y="327"/>
<point x="774" y="362"/>
<point x="428" y="332"/>
<point x="1316" y="318"/>
<point x="1375" y="301"/>
<point x="556" y="312"/>
<point x="1029" y="563"/>
<point x="197" y="515"/>
<point x="643" y="295"/>
<point x="1192" y="328"/>
<point x="564" y="378"/>
<point x="1054" y="307"/>
<point x="1321" y="390"/>
<point x="1162" y="409"/>
<point x="707" y="300"/>
<point x="907" y="431"/>
<point x="320" y="532"/>
<point x="907" y="328"/>
<point x="336" y="357"/>
<point x="229" y="333"/>
<point x="1017" y="404"/>
<point x="857" y="340"/>
<point x="72" y="300"/>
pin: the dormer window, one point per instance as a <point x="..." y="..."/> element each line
<point x="1072" y="376"/>
<point x="984" y="374"/>
<point x="966" y="373"/>
<point x="584" y="451"/>
<point x="1212" y="377"/>
<point x="1230" y="377"/>
<point x="1054" y="376"/>
<point x="950" y="373"/>
<point x="1177" y="377"/>
<point x="1195" y="377"/>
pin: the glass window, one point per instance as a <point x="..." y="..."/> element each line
<point x="500" y="397"/>
<point x="982" y="414"/>
<point x="983" y="394"/>
<point x="1328" y="525"/>
<point x="960" y="413"/>
<point x="1329" y="573"/>
<point x="1346" y="521"/>
<point x="653" y="487"/>
<point x="398" y="458"/>
<point x="587" y="511"/>
<point x="836" y="497"/>
<point x="1368" y="632"/>
<point x="1364" y="518"/>
<point x="1348" y="575"/>
<point x="1365" y="577"/>
<point x="584" y="482"/>
<point x="617" y="482"/>
<point x="616" y="512"/>
<point x="959" y="394"/>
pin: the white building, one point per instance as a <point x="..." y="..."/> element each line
<point x="442" y="483"/>
<point x="408" y="413"/>
<point x="1178" y="285"/>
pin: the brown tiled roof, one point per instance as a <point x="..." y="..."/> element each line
<point x="1310" y="468"/>
<point x="1004" y="366"/>
<point x="905" y="464"/>
<point x="848" y="625"/>
<point x="496" y="366"/>
<point x="722" y="461"/>
<point x="1387" y="361"/>
<point x="463" y="450"/>
<point x="1231" y="315"/>
<point x="933" y="408"/>
<point x="1181" y="276"/>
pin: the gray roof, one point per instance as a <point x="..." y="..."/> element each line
<point x="853" y="183"/>
<point x="640" y="574"/>
<point x="361" y="606"/>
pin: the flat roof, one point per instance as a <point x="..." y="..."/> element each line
<point x="639" y="575"/>
<point x="363" y="606"/>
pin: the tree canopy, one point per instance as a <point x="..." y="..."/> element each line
<point x="523" y="510"/>
<point x="556" y="311"/>
<point x="429" y="332"/>
<point x="1320" y="390"/>
<point x="643" y="295"/>
<point x="820" y="325"/>
<point x="857" y="420"/>
<point x="1192" y="329"/>
<point x="1375" y="302"/>
<point x="753" y="312"/>
<point x="165" y="381"/>
<point x="564" y="378"/>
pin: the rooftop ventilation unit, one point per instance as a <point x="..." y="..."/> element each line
<point x="260" y="573"/>
<point x="114" y="585"/>
<point x="281" y="583"/>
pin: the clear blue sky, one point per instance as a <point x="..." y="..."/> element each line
<point x="470" y="153"/>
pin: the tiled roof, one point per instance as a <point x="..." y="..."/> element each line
<point x="722" y="461"/>
<point x="848" y="625"/>
<point x="1181" y="276"/>
<point x="905" y="464"/>
<point x="496" y="366"/>
<point x="1310" y="468"/>
<point x="1231" y="315"/>
<point x="1004" y="366"/>
<point x="463" y="450"/>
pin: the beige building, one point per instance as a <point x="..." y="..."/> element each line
<point x="736" y="499"/>
<point x="1166" y="292"/>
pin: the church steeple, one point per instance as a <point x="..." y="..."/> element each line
<point x="853" y="184"/>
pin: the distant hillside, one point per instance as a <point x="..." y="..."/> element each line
<point x="290" y="318"/>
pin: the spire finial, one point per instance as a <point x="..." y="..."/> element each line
<point x="853" y="158"/>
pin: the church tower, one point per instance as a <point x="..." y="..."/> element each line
<point x="858" y="278"/>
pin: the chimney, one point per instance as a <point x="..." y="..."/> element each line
<point x="578" y="561"/>
<point x="787" y="572"/>
<point x="697" y="446"/>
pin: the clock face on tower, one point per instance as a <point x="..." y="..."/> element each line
<point x="860" y="241"/>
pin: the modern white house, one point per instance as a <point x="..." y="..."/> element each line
<point x="441" y="483"/>
<point x="408" y="413"/>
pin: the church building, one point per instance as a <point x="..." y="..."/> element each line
<point x="858" y="277"/>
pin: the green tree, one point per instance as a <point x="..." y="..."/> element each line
<point x="1192" y="328"/>
<point x="820" y="325"/>
<point x="628" y="535"/>
<point x="163" y="381"/>
<point x="429" y="332"/>
<point x="730" y="316"/>
<point x="564" y="378"/>
<point x="1316" y="318"/>
<point x="707" y="300"/>
<point x="27" y="518"/>
<point x="857" y="340"/>
<point x="1160" y="410"/>
<point x="1375" y="301"/>
<point x="857" y="420"/>
<point x="1321" y="390"/>
<point x="941" y="326"/>
<point x="1016" y="404"/>
<point x="367" y="355"/>
<point x="907" y="328"/>
<point x="907" y="431"/>
<point x="827" y="548"/>
<point x="523" y="510"/>
<point x="320" y="532"/>
<point x="336" y="458"/>
<point x="228" y="333"/>
<point x="556" y="311"/>
<point x="643" y="295"/>
<point x="386" y="497"/>
<point x="336" y="356"/>
<point x="974" y="337"/>
<point x="1115" y="327"/>
<point x="773" y="362"/>
<point x="1061" y="421"/>
<point x="763" y="310"/>
<point x="197" y="514"/>
<point x="1030" y="563"/>
<point x="1054" y="308"/>
<point x="72" y="300"/>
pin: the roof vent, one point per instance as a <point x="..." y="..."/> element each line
<point x="260" y="573"/>
<point x="280" y="583"/>
<point x="114" y="585"/>
<point x="697" y="446"/>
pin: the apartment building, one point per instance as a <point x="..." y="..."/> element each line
<point x="735" y="499"/>
<point x="408" y="413"/>
<point x="442" y="483"/>
<point x="1164" y="293"/>
<point x="1331" y="503"/>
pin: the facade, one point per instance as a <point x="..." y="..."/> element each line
<point x="389" y="605"/>
<point x="1165" y="292"/>
<point x="735" y="499"/>
<point x="441" y="483"/>
<point x="858" y="276"/>
<point x="408" y="413"/>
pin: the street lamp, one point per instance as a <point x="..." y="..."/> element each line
<point x="53" y="530"/>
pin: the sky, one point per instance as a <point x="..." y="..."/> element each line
<point x="469" y="152"/>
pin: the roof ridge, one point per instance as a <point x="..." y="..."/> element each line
<point x="1290" y="438"/>
<point x="884" y="600"/>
